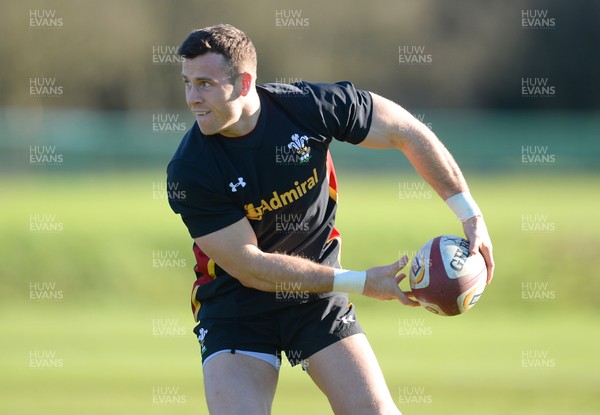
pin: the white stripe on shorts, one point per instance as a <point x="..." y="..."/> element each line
<point x="266" y="357"/>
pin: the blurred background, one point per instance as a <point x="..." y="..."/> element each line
<point x="96" y="270"/>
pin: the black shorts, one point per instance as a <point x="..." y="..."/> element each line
<point x="299" y="330"/>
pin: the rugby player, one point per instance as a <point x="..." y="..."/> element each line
<point x="257" y="191"/>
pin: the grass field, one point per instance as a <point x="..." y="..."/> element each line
<point x="94" y="324"/>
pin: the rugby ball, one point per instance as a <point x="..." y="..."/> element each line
<point x="444" y="279"/>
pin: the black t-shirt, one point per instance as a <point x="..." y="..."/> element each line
<point x="279" y="176"/>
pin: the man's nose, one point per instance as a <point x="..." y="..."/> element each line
<point x="194" y="96"/>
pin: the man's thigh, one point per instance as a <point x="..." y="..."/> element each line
<point x="349" y="375"/>
<point x="238" y="384"/>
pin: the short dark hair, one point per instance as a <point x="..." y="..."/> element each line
<point x="226" y="40"/>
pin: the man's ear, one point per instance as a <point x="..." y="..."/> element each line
<point x="246" y="82"/>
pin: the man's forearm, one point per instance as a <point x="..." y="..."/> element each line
<point x="279" y="272"/>
<point x="394" y="127"/>
<point x="433" y="162"/>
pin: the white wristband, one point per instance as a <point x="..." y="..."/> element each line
<point x="349" y="281"/>
<point x="464" y="206"/>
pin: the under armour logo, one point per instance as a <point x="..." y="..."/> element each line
<point x="240" y="182"/>
<point x="348" y="319"/>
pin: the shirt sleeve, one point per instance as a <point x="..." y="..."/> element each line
<point x="345" y="111"/>
<point x="202" y="209"/>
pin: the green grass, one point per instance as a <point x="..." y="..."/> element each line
<point x="112" y="361"/>
<point x="102" y="330"/>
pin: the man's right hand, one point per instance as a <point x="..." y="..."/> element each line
<point x="383" y="283"/>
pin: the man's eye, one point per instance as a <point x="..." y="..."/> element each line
<point x="205" y="84"/>
<point x="187" y="83"/>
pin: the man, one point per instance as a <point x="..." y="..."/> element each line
<point x="256" y="189"/>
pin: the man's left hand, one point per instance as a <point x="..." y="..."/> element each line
<point x="479" y="238"/>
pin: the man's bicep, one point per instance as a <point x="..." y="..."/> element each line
<point x="391" y="125"/>
<point x="231" y="247"/>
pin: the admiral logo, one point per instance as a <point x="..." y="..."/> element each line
<point x="280" y="200"/>
<point x="234" y="186"/>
